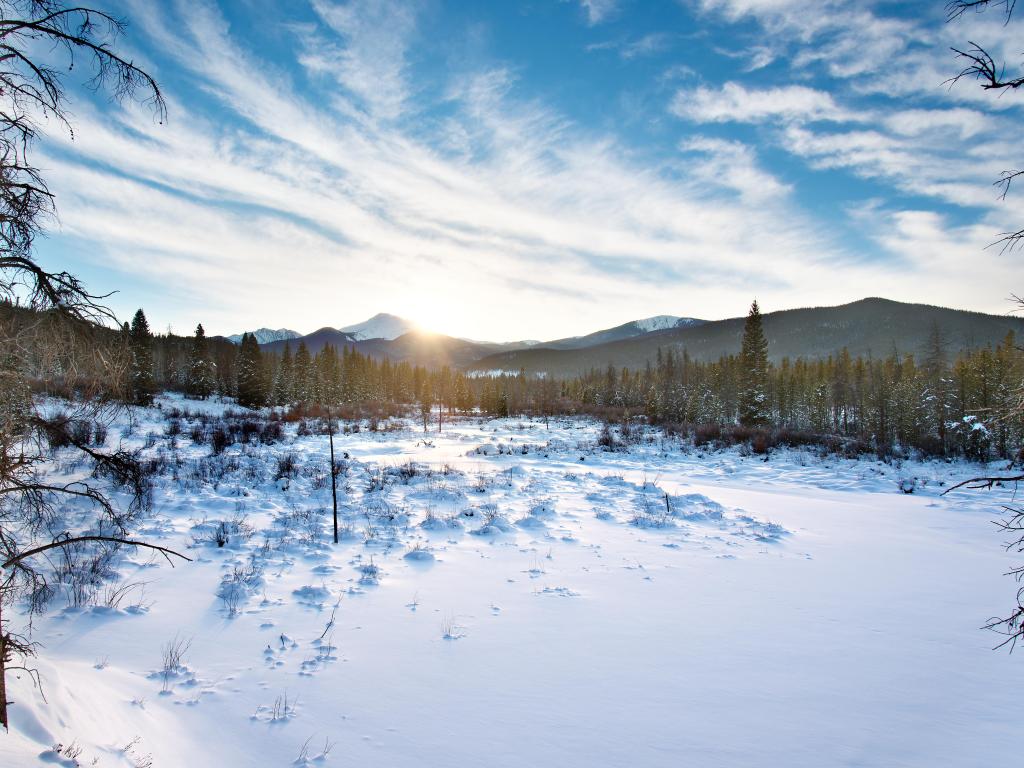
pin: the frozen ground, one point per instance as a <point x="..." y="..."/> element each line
<point x="560" y="606"/>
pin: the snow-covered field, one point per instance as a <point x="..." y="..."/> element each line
<point x="510" y="595"/>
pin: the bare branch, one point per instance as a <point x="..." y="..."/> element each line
<point x="980" y="66"/>
<point x="166" y="552"/>
<point x="976" y="483"/>
<point x="957" y="8"/>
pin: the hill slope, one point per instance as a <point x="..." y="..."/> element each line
<point x="628" y="330"/>
<point x="314" y="341"/>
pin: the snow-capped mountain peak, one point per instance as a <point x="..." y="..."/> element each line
<point x="266" y="335"/>
<point x="657" y="323"/>
<point x="663" y="322"/>
<point x="380" y="326"/>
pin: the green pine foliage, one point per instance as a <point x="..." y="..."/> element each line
<point x="252" y="392"/>
<point x="142" y="375"/>
<point x="284" y="379"/>
<point x="886" y="403"/>
<point x="753" y="404"/>
<point x="201" y="379"/>
<point x="302" y="391"/>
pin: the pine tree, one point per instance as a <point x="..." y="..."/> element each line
<point x="251" y="391"/>
<point x="426" y="402"/>
<point x="142" y="378"/>
<point x="301" y="374"/>
<point x="283" y="387"/>
<point x="200" y="378"/>
<point x="463" y="395"/>
<point x="938" y="398"/>
<point x="753" y="396"/>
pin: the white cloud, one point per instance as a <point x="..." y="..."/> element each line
<point x="968" y="123"/>
<point x="756" y="56"/>
<point x="875" y="53"/>
<point x="733" y="165"/>
<point x="760" y="57"/>
<point x="646" y="45"/>
<point x="935" y="165"/>
<point x="735" y="9"/>
<point x="926" y="244"/>
<point x="369" y="59"/>
<point x="598" y="10"/>
<point x="917" y="134"/>
<point x="735" y="103"/>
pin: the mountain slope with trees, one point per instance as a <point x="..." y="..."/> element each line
<point x="870" y="327"/>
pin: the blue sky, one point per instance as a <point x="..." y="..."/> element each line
<point x="540" y="168"/>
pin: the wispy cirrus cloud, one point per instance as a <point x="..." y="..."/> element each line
<point x="319" y="200"/>
<point x="646" y="45"/>
<point x="879" y="102"/>
<point x="599" y="10"/>
<point x="368" y="56"/>
<point x="734" y="165"/>
<point x="355" y="181"/>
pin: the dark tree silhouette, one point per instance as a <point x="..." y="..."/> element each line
<point x="31" y="88"/>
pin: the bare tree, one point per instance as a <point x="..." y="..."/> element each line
<point x="50" y="322"/>
<point x="991" y="75"/>
<point x="1012" y="625"/>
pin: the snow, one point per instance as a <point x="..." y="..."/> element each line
<point x="380" y="326"/>
<point x="662" y="322"/>
<point x="266" y="335"/>
<point x="657" y="323"/>
<point x="506" y="594"/>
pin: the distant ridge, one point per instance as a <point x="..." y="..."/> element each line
<point x="377" y="337"/>
<point x="380" y="326"/>
<point x="625" y="331"/>
<point x="872" y="326"/>
<point x="266" y="335"/>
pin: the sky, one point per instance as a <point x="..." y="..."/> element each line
<point x="538" y="168"/>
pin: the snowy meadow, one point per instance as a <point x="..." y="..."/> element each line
<point x="510" y="592"/>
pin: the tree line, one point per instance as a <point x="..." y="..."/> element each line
<point x="928" y="402"/>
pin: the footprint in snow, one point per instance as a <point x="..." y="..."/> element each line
<point x="559" y="591"/>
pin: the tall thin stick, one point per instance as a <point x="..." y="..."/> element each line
<point x="334" y="478"/>
<point x="3" y="673"/>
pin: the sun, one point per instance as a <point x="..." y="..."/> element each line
<point x="437" y="317"/>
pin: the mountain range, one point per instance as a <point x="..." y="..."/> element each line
<point x="265" y="335"/>
<point x="872" y="326"/>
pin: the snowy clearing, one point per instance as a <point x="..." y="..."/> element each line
<point x="506" y="594"/>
